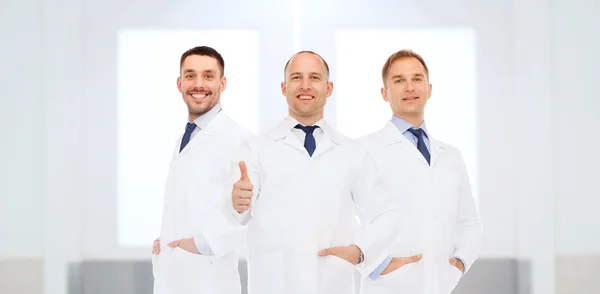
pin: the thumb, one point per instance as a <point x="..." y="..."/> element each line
<point x="243" y="172"/>
<point x="173" y="244"/>
<point x="452" y="260"/>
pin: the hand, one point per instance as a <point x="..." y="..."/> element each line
<point x="350" y="253"/>
<point x="242" y="190"/>
<point x="186" y="244"/>
<point x="398" y="262"/>
<point x="458" y="264"/>
<point x="156" y="247"/>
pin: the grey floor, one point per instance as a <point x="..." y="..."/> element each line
<point x="103" y="277"/>
<point x="575" y="274"/>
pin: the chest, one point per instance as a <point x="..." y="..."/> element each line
<point x="294" y="185"/>
<point x="416" y="187"/>
<point x="198" y="172"/>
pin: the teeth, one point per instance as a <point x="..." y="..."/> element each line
<point x="305" y="97"/>
<point x="198" y="96"/>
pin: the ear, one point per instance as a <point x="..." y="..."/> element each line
<point x="329" y="88"/>
<point x="283" y="88"/>
<point x="179" y="85"/>
<point x="430" y="88"/>
<point x="223" y="84"/>
<point x="384" y="94"/>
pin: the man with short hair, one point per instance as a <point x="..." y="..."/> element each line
<point x="430" y="186"/>
<point x="196" y="250"/>
<point x="299" y="188"/>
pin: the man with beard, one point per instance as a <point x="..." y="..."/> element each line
<point x="196" y="250"/>
<point x="299" y="188"/>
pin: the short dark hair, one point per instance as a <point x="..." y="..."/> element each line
<point x="204" y="51"/>
<point x="305" y="51"/>
<point x="404" y="53"/>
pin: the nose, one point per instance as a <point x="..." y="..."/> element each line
<point x="305" y="84"/>
<point x="199" y="83"/>
<point x="409" y="86"/>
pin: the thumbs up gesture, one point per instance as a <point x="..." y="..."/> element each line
<point x="242" y="190"/>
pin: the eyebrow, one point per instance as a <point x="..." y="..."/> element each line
<point x="193" y="71"/>
<point x="311" y="73"/>
<point x="402" y="76"/>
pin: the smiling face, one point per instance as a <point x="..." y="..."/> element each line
<point x="306" y="87"/>
<point x="200" y="83"/>
<point x="407" y="89"/>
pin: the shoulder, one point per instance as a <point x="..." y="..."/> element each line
<point x="446" y="147"/>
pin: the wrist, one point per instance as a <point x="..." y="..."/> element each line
<point x="361" y="255"/>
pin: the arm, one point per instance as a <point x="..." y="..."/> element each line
<point x="250" y="176"/>
<point x="222" y="238"/>
<point x="381" y="268"/>
<point x="469" y="227"/>
<point x="379" y="221"/>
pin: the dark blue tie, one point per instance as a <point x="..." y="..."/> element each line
<point x="189" y="128"/>
<point x="421" y="143"/>
<point x="309" y="139"/>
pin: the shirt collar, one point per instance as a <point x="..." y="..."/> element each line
<point x="203" y="120"/>
<point x="292" y="122"/>
<point x="404" y="126"/>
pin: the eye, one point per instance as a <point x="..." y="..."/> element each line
<point x="189" y="76"/>
<point x="419" y="79"/>
<point x="208" y="77"/>
<point x="295" y="77"/>
<point x="399" y="81"/>
<point x="316" y="78"/>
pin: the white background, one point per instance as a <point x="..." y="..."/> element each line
<point x="537" y="116"/>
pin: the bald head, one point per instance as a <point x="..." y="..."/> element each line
<point x="305" y="53"/>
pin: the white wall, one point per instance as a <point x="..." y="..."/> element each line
<point x="528" y="126"/>
<point x="22" y="130"/>
<point x="101" y="21"/>
<point x="576" y="119"/>
<point x="537" y="64"/>
<point x="64" y="128"/>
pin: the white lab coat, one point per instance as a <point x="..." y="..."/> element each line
<point x="193" y="198"/>
<point x="439" y="215"/>
<point x="302" y="205"/>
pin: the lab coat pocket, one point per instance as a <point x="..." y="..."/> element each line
<point x="188" y="272"/>
<point x="266" y="273"/>
<point x="402" y="278"/>
<point x="336" y="275"/>
<point x="396" y="273"/>
<point x="453" y="275"/>
<point x="193" y="261"/>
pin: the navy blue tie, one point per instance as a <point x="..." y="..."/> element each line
<point x="421" y="143"/>
<point x="309" y="139"/>
<point x="189" y="128"/>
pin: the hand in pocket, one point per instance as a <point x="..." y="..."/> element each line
<point x="188" y="245"/>
<point x="398" y="262"/>
<point x="458" y="264"/>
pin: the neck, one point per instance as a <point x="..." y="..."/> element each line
<point x="193" y="116"/>
<point x="307" y="120"/>
<point x="414" y="119"/>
